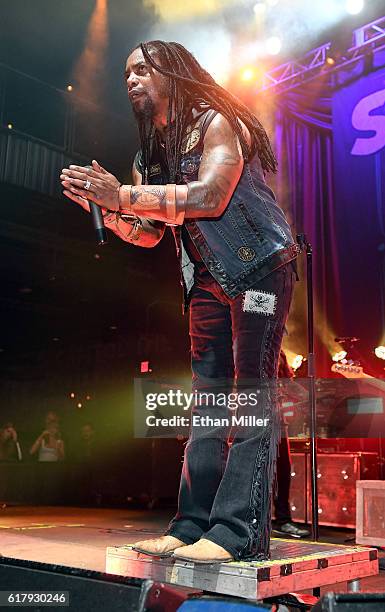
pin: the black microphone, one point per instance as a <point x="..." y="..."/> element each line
<point x="97" y="220"/>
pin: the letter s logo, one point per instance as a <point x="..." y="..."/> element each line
<point x="361" y="120"/>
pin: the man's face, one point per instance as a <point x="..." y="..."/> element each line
<point x="147" y="88"/>
<point x="87" y="432"/>
<point x="7" y="432"/>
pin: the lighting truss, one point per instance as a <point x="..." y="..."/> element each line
<point x="369" y="34"/>
<point x="296" y="68"/>
<point x="292" y="73"/>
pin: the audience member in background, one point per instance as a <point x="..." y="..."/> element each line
<point x="87" y="448"/>
<point x="9" y="446"/>
<point x="90" y="470"/>
<point x="51" y="417"/>
<point x="49" y="445"/>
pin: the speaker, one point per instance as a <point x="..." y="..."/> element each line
<point x="298" y="499"/>
<point x="351" y="602"/>
<point x="85" y="590"/>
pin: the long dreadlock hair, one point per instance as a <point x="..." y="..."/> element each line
<point x="188" y="84"/>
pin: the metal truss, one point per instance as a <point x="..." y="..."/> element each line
<point x="293" y="69"/>
<point x="369" y="34"/>
<point x="295" y="72"/>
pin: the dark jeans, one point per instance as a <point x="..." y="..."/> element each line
<point x="225" y="495"/>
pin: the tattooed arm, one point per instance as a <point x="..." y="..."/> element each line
<point x="220" y="170"/>
<point x="142" y="232"/>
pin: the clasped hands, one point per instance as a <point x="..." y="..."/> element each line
<point x="103" y="187"/>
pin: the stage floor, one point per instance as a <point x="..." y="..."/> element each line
<point x="79" y="537"/>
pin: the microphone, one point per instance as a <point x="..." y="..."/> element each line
<point x="98" y="221"/>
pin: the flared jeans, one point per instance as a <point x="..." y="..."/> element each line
<point x="226" y="489"/>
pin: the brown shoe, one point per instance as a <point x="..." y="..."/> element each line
<point x="158" y="547"/>
<point x="203" y="551"/>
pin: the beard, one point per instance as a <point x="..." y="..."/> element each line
<point x="144" y="108"/>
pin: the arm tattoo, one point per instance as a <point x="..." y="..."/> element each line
<point x="141" y="232"/>
<point x="207" y="197"/>
<point x="148" y="196"/>
<point x="222" y="158"/>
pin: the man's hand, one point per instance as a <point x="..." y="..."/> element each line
<point x="103" y="186"/>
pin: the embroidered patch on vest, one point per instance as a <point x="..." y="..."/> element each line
<point x="155" y="169"/>
<point x="246" y="253"/>
<point x="191" y="140"/>
<point x="259" y="302"/>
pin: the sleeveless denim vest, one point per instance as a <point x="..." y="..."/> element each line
<point x="248" y="241"/>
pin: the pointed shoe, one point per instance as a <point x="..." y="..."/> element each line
<point x="203" y="551"/>
<point x="163" y="546"/>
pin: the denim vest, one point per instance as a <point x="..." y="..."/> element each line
<point x="248" y="241"/>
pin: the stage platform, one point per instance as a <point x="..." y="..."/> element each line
<point x="78" y="537"/>
<point x="294" y="567"/>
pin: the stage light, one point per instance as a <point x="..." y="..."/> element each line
<point x="273" y="45"/>
<point x="69" y="88"/>
<point x="79" y="405"/>
<point x="10" y="126"/>
<point x="247" y="74"/>
<point x="380" y="352"/>
<point x="297" y="362"/>
<point x="354" y="7"/>
<point x="259" y="8"/>
<point x="72" y="395"/>
<point x="331" y="61"/>
<point x="339" y="356"/>
<point x="88" y="397"/>
<point x="86" y="75"/>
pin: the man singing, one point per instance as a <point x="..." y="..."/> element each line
<point x="201" y="170"/>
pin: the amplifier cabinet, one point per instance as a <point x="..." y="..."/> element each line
<point x="298" y="496"/>
<point x="337" y="475"/>
<point x="370" y="512"/>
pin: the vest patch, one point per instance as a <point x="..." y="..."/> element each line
<point x="259" y="302"/>
<point x="246" y="253"/>
<point x="191" y="140"/>
<point x="155" y="169"/>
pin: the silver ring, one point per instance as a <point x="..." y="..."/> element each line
<point x="87" y="184"/>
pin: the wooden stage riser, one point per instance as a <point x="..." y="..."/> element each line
<point x="241" y="585"/>
<point x="334" y="564"/>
